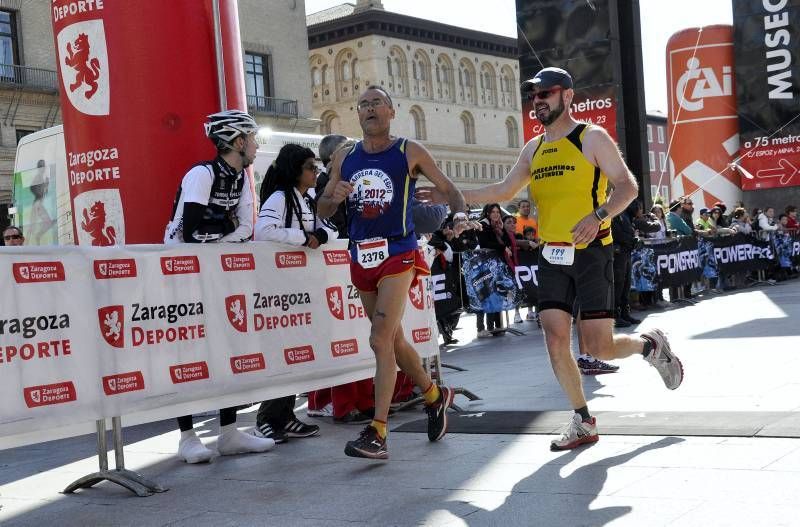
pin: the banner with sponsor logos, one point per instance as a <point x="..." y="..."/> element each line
<point x="734" y="254"/>
<point x="124" y="139"/>
<point x="702" y="124"/>
<point x="677" y="261"/>
<point x="768" y="90"/>
<point x="150" y="332"/>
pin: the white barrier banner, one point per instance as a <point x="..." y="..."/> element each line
<point x="149" y="331"/>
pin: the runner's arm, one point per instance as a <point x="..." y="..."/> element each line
<point x="421" y="162"/>
<point x="515" y="180"/>
<point x="602" y="151"/>
<point x="336" y="190"/>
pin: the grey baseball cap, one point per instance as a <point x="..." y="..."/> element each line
<point x="547" y="78"/>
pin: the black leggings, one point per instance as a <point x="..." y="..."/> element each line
<point x="227" y="416"/>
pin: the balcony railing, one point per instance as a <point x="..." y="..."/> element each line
<point x="272" y="106"/>
<point x="25" y="77"/>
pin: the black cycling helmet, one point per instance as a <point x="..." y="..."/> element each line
<point x="224" y="127"/>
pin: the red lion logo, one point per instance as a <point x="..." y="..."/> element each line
<point x="87" y="70"/>
<point x="94" y="222"/>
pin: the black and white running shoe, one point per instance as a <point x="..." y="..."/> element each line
<point x="265" y="430"/>
<point x="369" y="445"/>
<point x="297" y="428"/>
<point x="437" y="414"/>
<point x="595" y="366"/>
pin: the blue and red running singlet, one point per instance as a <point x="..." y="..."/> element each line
<point x="380" y="204"/>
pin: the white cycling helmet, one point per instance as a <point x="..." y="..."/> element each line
<point x="224" y="127"/>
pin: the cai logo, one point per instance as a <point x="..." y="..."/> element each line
<point x="112" y="325"/>
<point x="290" y="259"/>
<point x="417" y="295"/>
<point x="341" y="348"/>
<point x="247" y="363"/>
<point x="193" y="371"/>
<point x="123" y="382"/>
<point x="421" y="335"/>
<point x="336" y="257"/>
<point x="83" y="58"/>
<point x="701" y="82"/>
<point x="335" y="300"/>
<point x="237" y="262"/>
<point x="32" y="272"/>
<point x="171" y="265"/>
<point x="298" y="354"/>
<point x="111" y="269"/>
<point x="236" y="309"/>
<point x="47" y="394"/>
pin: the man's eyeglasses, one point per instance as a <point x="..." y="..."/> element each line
<point x="311" y="166"/>
<point x="375" y="103"/>
<point x="12" y="237"/>
<point x="544" y="94"/>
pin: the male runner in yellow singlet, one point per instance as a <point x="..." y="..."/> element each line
<point x="568" y="169"/>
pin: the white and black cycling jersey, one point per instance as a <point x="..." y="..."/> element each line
<point x="228" y="198"/>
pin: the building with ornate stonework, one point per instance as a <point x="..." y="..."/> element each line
<point x="455" y="90"/>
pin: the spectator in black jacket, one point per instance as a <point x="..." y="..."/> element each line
<point x="457" y="235"/>
<point x="624" y="230"/>
<point x="493" y="236"/>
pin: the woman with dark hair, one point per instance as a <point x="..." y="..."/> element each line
<point x="289" y="215"/>
<point x="493" y="236"/>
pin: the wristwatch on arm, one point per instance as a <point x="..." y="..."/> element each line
<point x="600" y="213"/>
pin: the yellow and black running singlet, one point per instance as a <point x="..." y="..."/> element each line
<point x="566" y="187"/>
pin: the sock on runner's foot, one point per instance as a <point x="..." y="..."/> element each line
<point x="431" y="395"/>
<point x="380" y="426"/>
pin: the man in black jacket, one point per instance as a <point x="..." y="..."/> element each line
<point x="624" y="230"/>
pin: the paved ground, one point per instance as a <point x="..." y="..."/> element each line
<point x="739" y="351"/>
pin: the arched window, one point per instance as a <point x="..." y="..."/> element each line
<point x="513" y="133"/>
<point x="417" y="117"/>
<point x="346" y="73"/>
<point x="467" y="82"/>
<point x="330" y="123"/>
<point x="389" y="66"/>
<point x="508" y="98"/>
<point x="398" y="80"/>
<point x="316" y="77"/>
<point x="469" y="128"/>
<point x="356" y="69"/>
<point x="445" y="79"/>
<point x="488" y="85"/>
<point x="324" y="74"/>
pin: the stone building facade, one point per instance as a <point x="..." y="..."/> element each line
<point x="455" y="90"/>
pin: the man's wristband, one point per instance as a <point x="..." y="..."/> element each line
<point x="600" y="213"/>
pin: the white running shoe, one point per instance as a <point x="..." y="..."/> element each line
<point x="325" y="411"/>
<point x="663" y="360"/>
<point x="231" y="441"/>
<point x="576" y="433"/>
<point x="192" y="450"/>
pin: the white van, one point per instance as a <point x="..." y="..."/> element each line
<point x="40" y="195"/>
<point x="42" y="207"/>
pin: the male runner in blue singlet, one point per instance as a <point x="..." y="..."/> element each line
<point x="377" y="178"/>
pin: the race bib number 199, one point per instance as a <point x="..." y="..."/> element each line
<point x="372" y="253"/>
<point x="559" y="254"/>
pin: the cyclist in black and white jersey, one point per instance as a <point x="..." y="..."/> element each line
<point x="215" y="204"/>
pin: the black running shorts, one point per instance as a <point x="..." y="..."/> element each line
<point x="587" y="284"/>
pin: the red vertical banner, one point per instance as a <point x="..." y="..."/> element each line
<point x="137" y="80"/>
<point x="702" y="125"/>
